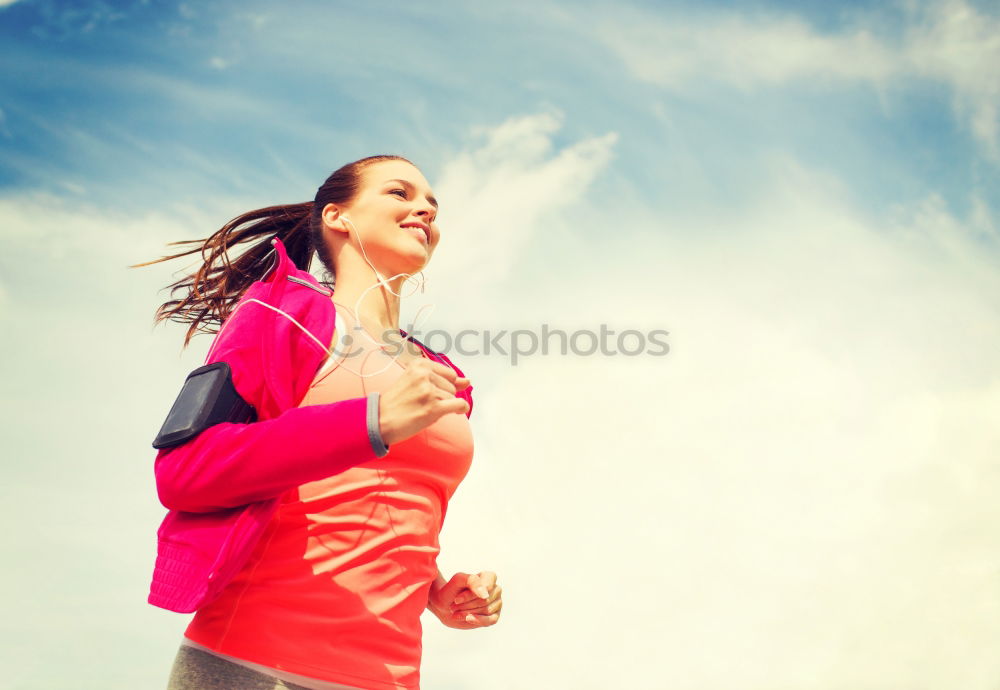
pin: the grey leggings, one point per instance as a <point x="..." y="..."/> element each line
<point x="197" y="670"/>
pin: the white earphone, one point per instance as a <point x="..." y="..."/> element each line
<point x="382" y="282"/>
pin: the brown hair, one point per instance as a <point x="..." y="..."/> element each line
<point x="211" y="292"/>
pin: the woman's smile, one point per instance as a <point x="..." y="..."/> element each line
<point x="419" y="230"/>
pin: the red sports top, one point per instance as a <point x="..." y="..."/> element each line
<point x="335" y="587"/>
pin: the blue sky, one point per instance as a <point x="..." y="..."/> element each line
<point x="804" y="194"/>
<point x="231" y="96"/>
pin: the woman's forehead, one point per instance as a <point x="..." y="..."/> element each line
<point x="383" y="171"/>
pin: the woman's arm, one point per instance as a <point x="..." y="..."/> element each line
<point x="229" y="465"/>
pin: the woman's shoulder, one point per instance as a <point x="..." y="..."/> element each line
<point x="274" y="336"/>
<point x="300" y="303"/>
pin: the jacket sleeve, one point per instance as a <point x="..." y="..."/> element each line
<point x="229" y="464"/>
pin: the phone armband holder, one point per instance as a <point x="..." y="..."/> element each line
<point x="207" y="398"/>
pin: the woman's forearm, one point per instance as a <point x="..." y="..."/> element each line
<point x="229" y="465"/>
<point x="436" y="586"/>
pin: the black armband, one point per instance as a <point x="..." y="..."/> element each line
<point x="207" y="398"/>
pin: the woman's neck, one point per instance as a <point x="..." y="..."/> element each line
<point x="378" y="310"/>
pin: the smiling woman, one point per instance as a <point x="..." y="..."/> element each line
<point x="306" y="541"/>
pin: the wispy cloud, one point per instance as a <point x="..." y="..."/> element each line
<point x="960" y="46"/>
<point x="791" y="488"/>
<point x="220" y="63"/>
<point x="947" y="41"/>
<point x="497" y="193"/>
<point x="60" y="20"/>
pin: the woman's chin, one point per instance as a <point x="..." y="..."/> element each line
<point x="411" y="267"/>
<point x="414" y="262"/>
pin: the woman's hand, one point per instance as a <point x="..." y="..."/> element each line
<point x="423" y="393"/>
<point x="466" y="601"/>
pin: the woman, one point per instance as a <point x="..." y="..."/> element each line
<point x="307" y="540"/>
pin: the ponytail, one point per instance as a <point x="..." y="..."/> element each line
<point x="214" y="289"/>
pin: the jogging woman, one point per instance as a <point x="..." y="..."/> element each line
<point x="306" y="540"/>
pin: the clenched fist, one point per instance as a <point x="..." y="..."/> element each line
<point x="466" y="601"/>
<point x="424" y="393"/>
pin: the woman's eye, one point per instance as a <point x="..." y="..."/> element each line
<point x="399" y="192"/>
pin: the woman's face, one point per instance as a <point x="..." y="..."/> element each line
<point x="394" y="215"/>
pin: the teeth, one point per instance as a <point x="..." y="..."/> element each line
<point x="417" y="230"/>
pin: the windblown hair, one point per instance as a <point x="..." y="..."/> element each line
<point x="210" y="294"/>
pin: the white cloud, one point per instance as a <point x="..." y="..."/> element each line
<point x="947" y="41"/>
<point x="86" y="382"/>
<point x="959" y="46"/>
<point x="744" y="52"/>
<point x="805" y="482"/>
<point x="497" y="195"/>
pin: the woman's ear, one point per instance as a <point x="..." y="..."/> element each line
<point x="332" y="216"/>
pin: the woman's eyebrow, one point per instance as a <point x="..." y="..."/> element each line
<point x="409" y="186"/>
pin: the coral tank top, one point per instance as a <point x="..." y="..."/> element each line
<point x="335" y="587"/>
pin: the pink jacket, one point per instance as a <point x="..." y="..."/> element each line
<point x="223" y="486"/>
